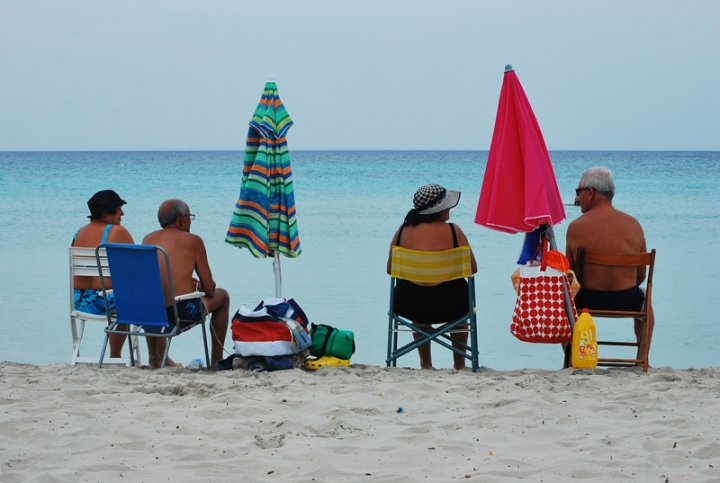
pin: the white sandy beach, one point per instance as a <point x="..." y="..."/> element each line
<point x="63" y="423"/>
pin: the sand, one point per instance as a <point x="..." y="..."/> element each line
<point x="77" y="423"/>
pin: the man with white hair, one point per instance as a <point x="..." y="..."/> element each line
<point x="188" y="257"/>
<point x="602" y="228"/>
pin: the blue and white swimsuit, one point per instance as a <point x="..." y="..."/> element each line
<point x="92" y="301"/>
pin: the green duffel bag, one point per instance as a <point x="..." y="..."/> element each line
<point x="329" y="341"/>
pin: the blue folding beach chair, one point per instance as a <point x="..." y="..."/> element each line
<point x="139" y="300"/>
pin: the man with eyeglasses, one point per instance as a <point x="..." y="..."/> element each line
<point x="188" y="257"/>
<point x="602" y="228"/>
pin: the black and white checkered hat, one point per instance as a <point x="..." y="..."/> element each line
<point x="433" y="198"/>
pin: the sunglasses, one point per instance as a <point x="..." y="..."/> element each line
<point x="580" y="190"/>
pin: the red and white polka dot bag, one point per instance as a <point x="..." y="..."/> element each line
<point x="540" y="314"/>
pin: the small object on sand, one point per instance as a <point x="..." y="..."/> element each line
<point x="400" y="409"/>
<point x="195" y="364"/>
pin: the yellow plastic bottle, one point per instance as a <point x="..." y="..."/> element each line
<point x="584" y="343"/>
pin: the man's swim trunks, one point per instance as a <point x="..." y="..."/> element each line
<point x="189" y="312"/>
<point x="191" y="309"/>
<point x="631" y="299"/>
<point x="92" y="302"/>
<point x="431" y="305"/>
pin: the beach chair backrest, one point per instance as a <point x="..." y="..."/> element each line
<point x="137" y="284"/>
<point x="83" y="263"/>
<point x="431" y="267"/>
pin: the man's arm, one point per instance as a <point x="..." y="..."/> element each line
<point x="202" y="268"/>
<point x="641" y="271"/>
<point x="570" y="247"/>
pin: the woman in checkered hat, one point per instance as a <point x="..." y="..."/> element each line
<point x="426" y="228"/>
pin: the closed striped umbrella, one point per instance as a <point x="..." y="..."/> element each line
<point x="264" y="217"/>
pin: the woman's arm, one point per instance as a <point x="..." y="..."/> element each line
<point x="463" y="241"/>
<point x="392" y="244"/>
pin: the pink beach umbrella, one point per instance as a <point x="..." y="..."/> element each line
<point x="519" y="191"/>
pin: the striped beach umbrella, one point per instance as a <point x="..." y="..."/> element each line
<point x="264" y="217"/>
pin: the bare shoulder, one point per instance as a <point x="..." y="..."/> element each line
<point x="119" y="233"/>
<point x="196" y="241"/>
<point x="462" y="239"/>
<point x="152" y="238"/>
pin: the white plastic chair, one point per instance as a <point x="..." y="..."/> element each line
<point x="83" y="264"/>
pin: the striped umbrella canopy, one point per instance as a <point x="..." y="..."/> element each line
<point x="264" y="217"/>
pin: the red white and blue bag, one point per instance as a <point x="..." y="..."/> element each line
<point x="276" y="327"/>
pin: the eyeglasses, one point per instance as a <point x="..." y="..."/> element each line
<point x="192" y="217"/>
<point x="580" y="190"/>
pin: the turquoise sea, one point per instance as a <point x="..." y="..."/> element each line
<point x="349" y="204"/>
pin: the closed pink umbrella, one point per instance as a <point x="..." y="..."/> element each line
<point x="519" y="191"/>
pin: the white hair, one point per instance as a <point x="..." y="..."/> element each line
<point x="600" y="179"/>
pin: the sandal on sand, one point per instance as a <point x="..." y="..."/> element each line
<point x="225" y="364"/>
<point x="315" y="364"/>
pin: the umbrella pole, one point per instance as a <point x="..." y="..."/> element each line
<point x="278" y="274"/>
<point x="566" y="295"/>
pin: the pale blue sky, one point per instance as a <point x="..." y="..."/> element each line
<point x="371" y="74"/>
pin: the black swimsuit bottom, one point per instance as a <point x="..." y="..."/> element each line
<point x="631" y="299"/>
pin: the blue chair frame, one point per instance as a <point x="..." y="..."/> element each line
<point x="139" y="300"/>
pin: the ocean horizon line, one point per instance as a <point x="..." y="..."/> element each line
<point x="352" y="150"/>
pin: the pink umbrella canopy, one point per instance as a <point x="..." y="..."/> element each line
<point x="519" y="191"/>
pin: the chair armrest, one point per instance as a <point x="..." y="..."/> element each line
<point x="188" y="296"/>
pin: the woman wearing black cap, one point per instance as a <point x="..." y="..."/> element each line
<point x="426" y="228"/>
<point x="105" y="217"/>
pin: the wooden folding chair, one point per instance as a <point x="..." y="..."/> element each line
<point x="429" y="266"/>
<point x="585" y="257"/>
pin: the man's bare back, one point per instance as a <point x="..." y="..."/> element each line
<point x="605" y="229"/>
<point x="187" y="254"/>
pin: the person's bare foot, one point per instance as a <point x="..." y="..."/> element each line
<point x="171" y="363"/>
<point x="156" y="361"/>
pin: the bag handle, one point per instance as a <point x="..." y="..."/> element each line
<point x="542" y="249"/>
<point x="330" y="330"/>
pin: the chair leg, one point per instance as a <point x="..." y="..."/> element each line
<point x="134" y="341"/>
<point x="207" y="356"/>
<point x="474" y="344"/>
<point x="132" y="355"/>
<point x="77" y="338"/>
<point x="102" y="353"/>
<point x="167" y="351"/>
